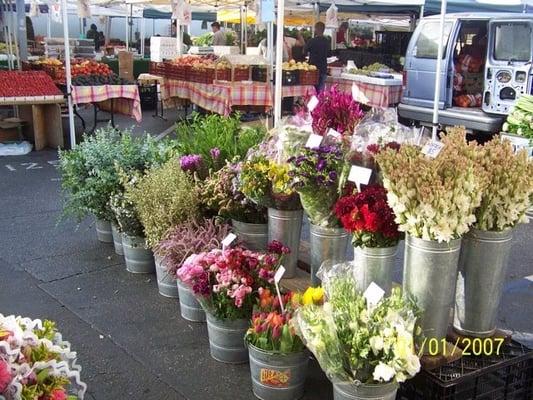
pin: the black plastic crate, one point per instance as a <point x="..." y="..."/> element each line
<point x="506" y="376"/>
<point x="259" y="74"/>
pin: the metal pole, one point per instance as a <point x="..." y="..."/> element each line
<point x="143" y="33"/>
<point x="438" y="78"/>
<point x="421" y="11"/>
<point x="279" y="62"/>
<point x="48" y="24"/>
<point x="22" y="35"/>
<point x="178" y="37"/>
<point x="245" y="29"/>
<point x="127" y="34"/>
<point x="68" y="76"/>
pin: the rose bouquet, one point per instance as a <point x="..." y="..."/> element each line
<point x="226" y="282"/>
<point x="36" y="363"/>
<point x="336" y="109"/>
<point x="433" y="198"/>
<point x="368" y="217"/>
<point x="316" y="176"/>
<point x="358" y="342"/>
<point x="268" y="184"/>
<point x="222" y="196"/>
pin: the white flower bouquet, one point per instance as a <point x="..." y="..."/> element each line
<point x="358" y="342"/>
<point x="434" y="198"/>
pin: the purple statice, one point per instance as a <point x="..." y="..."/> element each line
<point x="191" y="163"/>
<point x="215" y="153"/>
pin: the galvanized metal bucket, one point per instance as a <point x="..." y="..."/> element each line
<point x="226" y="339"/>
<point x="166" y="283"/>
<point x="350" y="391"/>
<point x="117" y="240"/>
<point x="286" y="227"/>
<point x="190" y="309"/>
<point x="139" y="258"/>
<point x="253" y="236"/>
<point x="278" y="376"/>
<point x="482" y="266"/>
<point x="529" y="214"/>
<point x="375" y="264"/>
<point x="430" y="274"/>
<point x="326" y="244"/>
<point x="103" y="231"/>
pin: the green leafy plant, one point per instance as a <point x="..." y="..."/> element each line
<point x="164" y="197"/>
<point x="216" y="138"/>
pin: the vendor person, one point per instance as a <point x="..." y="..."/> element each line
<point x="219" y="37"/>
<point x="319" y="49"/>
<point x="93" y="34"/>
<point x="341" y="33"/>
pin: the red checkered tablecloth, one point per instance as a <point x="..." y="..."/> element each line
<point x="298" y="91"/>
<point x="125" y="98"/>
<point x="368" y="93"/>
<point x="217" y="97"/>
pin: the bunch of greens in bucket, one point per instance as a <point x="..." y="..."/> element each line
<point x="187" y="238"/>
<point x="356" y="340"/>
<point x="222" y="196"/>
<point x="216" y="138"/>
<point x="226" y="282"/>
<point x="272" y="329"/>
<point x="520" y="120"/>
<point x="319" y="175"/>
<point x="163" y="197"/>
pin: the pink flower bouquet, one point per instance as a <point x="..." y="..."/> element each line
<point x="226" y="282"/>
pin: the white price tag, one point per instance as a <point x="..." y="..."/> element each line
<point x="314" y="141"/>
<point x="312" y="103"/>
<point x="228" y="240"/>
<point x="359" y="176"/>
<point x="277" y="277"/>
<point x="334" y="133"/>
<point x="432" y="149"/>
<point x="373" y="294"/>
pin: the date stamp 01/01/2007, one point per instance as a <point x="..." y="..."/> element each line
<point x="464" y="345"/>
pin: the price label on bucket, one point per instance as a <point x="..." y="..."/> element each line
<point x="333" y="133"/>
<point x="359" y="176"/>
<point x="226" y="242"/>
<point x="373" y="294"/>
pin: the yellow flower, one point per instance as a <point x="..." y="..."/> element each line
<point x="313" y="296"/>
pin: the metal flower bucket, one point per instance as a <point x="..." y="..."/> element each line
<point x="278" y="376"/>
<point x="253" y="236"/>
<point x="226" y="339"/>
<point x="375" y="264"/>
<point x="117" y="240"/>
<point x="326" y="244"/>
<point x="166" y="282"/>
<point x="103" y="231"/>
<point x="529" y="213"/>
<point x="285" y="227"/>
<point x="482" y="266"/>
<point x="190" y="309"/>
<point x="350" y="391"/>
<point x="430" y="274"/>
<point x="139" y="258"/>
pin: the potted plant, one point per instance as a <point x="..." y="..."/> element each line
<point x="316" y="176"/>
<point x="189" y="237"/>
<point x="365" y="347"/>
<point x="508" y="185"/>
<point x="278" y="357"/>
<point x="162" y="198"/>
<point x="375" y="234"/>
<point x="434" y="200"/>
<point x="226" y="283"/>
<point x="222" y="196"/>
<point x="35" y="362"/>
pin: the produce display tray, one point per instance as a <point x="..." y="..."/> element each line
<point x="372" y="80"/>
<point x="55" y="99"/>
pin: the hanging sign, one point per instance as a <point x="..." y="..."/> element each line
<point x="175" y="5"/>
<point x="267" y="11"/>
<point x="331" y="17"/>
<point x="55" y="12"/>
<point x="186" y="14"/>
<point x="84" y="11"/>
<point x="34" y="8"/>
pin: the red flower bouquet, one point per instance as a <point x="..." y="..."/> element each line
<point x="368" y="216"/>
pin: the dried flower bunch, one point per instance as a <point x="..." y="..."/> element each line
<point x="163" y="198"/>
<point x="222" y="196"/>
<point x="433" y="198"/>
<point x="508" y="186"/>
<point x="188" y="238"/>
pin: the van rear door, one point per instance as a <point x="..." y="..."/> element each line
<point x="508" y="67"/>
<point x="421" y="64"/>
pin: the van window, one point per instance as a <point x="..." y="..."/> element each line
<point x="427" y="43"/>
<point x="512" y="42"/>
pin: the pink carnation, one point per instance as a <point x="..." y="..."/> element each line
<point x="58" y="394"/>
<point x="5" y="376"/>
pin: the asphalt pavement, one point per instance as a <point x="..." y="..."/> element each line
<point x="132" y="342"/>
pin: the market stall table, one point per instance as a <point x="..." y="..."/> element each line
<point x="368" y="94"/>
<point x="122" y="99"/>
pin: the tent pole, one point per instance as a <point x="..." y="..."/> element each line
<point x="421" y="11"/>
<point x="127" y="34"/>
<point x="245" y="29"/>
<point x="10" y="61"/>
<point x="48" y="24"/>
<point x="68" y="76"/>
<point x="178" y="37"/>
<point x="143" y="33"/>
<point x="438" y="78"/>
<point x="14" y="42"/>
<point x="279" y="62"/>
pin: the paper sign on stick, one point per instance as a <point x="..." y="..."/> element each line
<point x="277" y="277"/>
<point x="228" y="240"/>
<point x="373" y="294"/>
<point x="314" y="141"/>
<point x="312" y="103"/>
<point x="359" y="176"/>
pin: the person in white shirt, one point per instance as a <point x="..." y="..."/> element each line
<point x="219" y="37"/>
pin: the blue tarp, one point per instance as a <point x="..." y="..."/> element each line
<point x="454" y="6"/>
<point x="197" y="16"/>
